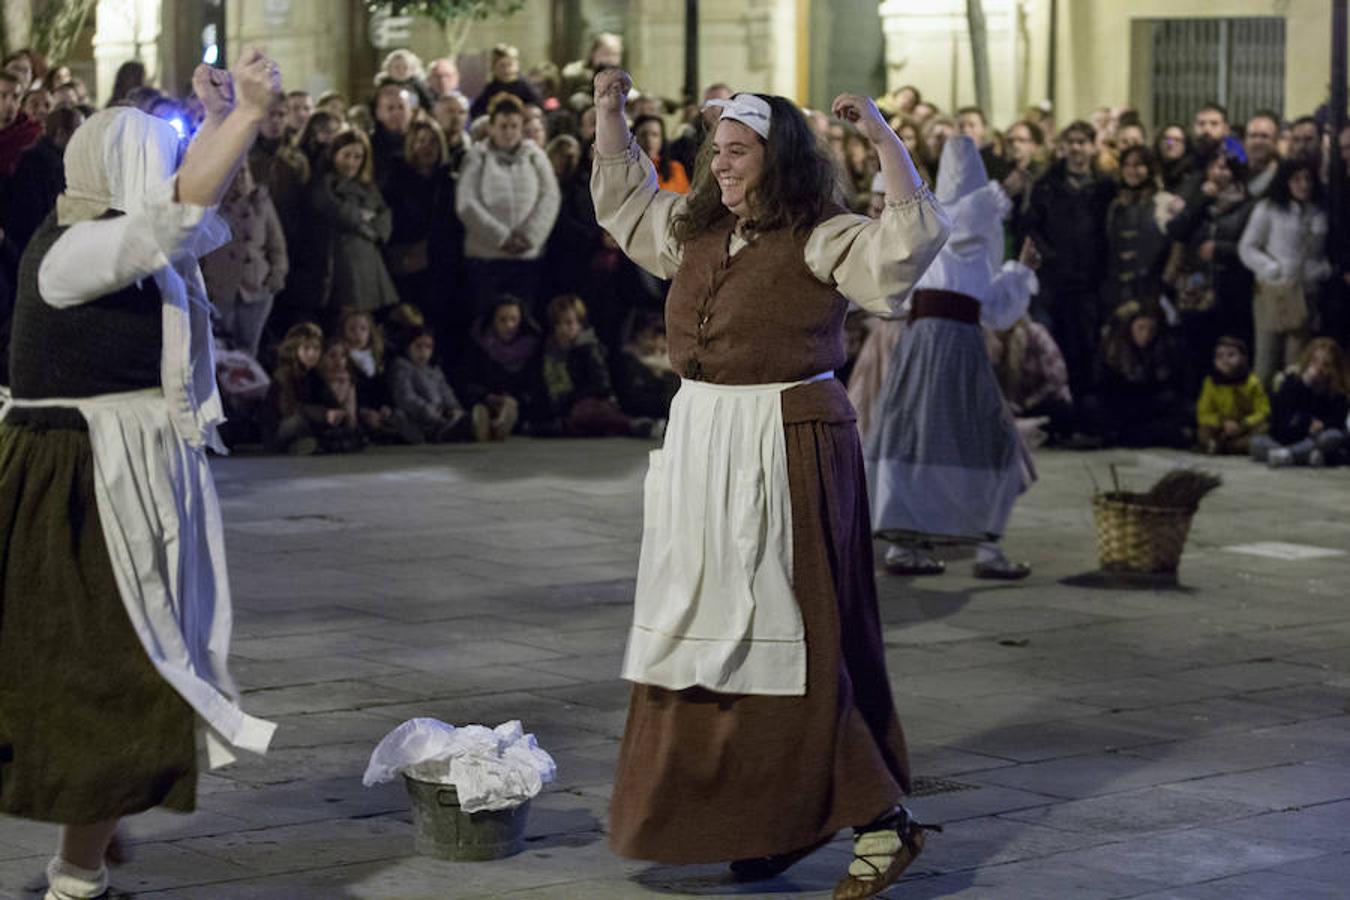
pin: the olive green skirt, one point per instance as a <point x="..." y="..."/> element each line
<point x="89" y="730"/>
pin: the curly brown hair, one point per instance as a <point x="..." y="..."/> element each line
<point x="794" y="190"/>
<point x="1340" y="370"/>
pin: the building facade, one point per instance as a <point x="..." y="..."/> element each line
<point x="1156" y="55"/>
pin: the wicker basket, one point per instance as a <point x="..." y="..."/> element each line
<point x="1133" y="536"/>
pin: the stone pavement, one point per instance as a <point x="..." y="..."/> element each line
<point x="1079" y="741"/>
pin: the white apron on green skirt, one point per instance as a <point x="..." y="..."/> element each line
<point x="161" y="523"/>
<point x="714" y="603"/>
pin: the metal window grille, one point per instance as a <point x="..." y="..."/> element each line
<point x="1238" y="62"/>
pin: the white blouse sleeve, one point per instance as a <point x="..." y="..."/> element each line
<point x="100" y="256"/>
<point x="1009" y="296"/>
<point x="635" y="211"/>
<point x="876" y="262"/>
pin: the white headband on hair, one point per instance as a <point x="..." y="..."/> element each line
<point x="748" y="109"/>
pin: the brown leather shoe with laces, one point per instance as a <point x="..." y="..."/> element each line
<point x="911" y="841"/>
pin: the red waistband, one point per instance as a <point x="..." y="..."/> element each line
<point x="933" y="304"/>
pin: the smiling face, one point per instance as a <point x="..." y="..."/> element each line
<point x="349" y="160"/>
<point x="1078" y="151"/>
<point x="1129" y="136"/>
<point x="1133" y="171"/>
<point x="1259" y="141"/>
<point x="737" y="162"/>
<point x="1219" y="174"/>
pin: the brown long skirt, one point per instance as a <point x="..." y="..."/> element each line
<point x="88" y="729"/>
<point x="706" y="777"/>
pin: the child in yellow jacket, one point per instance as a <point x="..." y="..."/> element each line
<point x="1233" y="406"/>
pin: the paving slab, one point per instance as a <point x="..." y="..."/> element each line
<point x="1080" y="739"/>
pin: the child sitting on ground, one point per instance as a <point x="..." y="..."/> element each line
<point x="1233" y="407"/>
<point x="503" y="364"/>
<point x="380" y="422"/>
<point x="421" y="392"/>
<point x="576" y="379"/>
<point x="1307" y="420"/>
<point x="645" y="380"/>
<point x="343" y="431"/>
<point x="1140" y="400"/>
<point x="295" y="407"/>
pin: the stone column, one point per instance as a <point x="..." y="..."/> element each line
<point x="928" y="45"/>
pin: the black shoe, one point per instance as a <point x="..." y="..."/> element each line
<point x="762" y="868"/>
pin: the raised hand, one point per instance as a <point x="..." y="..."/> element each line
<point x="611" y="89"/>
<point x="215" y="89"/>
<point x="256" y="80"/>
<point x="862" y="112"/>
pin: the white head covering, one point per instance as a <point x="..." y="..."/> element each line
<point x="976" y="206"/>
<point x="118" y="159"/>
<point x="960" y="171"/>
<point x="750" y="110"/>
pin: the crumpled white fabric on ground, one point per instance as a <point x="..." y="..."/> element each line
<point x="490" y="768"/>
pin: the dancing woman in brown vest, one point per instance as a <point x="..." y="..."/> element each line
<point x="761" y="720"/>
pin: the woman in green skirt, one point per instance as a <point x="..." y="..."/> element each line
<point x="114" y="601"/>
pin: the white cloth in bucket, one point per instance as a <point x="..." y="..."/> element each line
<point x="490" y="768"/>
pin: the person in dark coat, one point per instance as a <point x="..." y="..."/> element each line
<point x="392" y="108"/>
<point x="1208" y="283"/>
<point x="1141" y="398"/>
<point x="31" y="194"/>
<point x="420" y="193"/>
<point x="1135" y="235"/>
<point x="501" y="367"/>
<point x="1066" y="219"/>
<point x="506" y="79"/>
<point x="351" y="212"/>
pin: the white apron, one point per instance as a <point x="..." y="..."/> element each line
<point x="714" y="604"/>
<point x="161" y="523"/>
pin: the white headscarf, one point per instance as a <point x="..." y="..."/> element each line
<point x="750" y="110"/>
<point x="976" y="206"/>
<point x="118" y="159"/>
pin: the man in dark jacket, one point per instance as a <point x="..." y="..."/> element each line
<point x="1066" y="218"/>
<point x="18" y="132"/>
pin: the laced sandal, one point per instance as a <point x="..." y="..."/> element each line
<point x="881" y="854"/>
<point x="762" y="868"/>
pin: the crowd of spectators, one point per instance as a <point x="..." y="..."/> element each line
<point x="415" y="264"/>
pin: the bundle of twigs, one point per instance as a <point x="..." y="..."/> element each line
<point x="1178" y="489"/>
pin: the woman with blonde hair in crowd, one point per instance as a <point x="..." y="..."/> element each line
<point x="1308" y="412"/>
<point x="355" y="223"/>
<point x="404" y="68"/>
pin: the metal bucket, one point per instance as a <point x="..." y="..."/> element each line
<point x="444" y="831"/>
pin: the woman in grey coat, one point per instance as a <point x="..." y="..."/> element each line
<point x="348" y="206"/>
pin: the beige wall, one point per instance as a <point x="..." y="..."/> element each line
<point x="309" y="39"/>
<point x="927" y="45"/>
<point x="1095" y="51"/>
